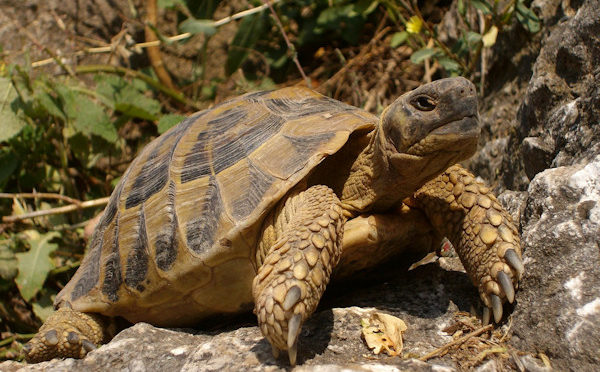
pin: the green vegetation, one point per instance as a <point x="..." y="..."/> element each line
<point x="68" y="137"/>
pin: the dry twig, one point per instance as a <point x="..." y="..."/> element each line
<point x="362" y="57"/>
<point x="54" y="56"/>
<point x="289" y="43"/>
<point x="447" y="51"/>
<point x="154" y="51"/>
<point x="59" y="210"/>
<point x="84" y="69"/>
<point x="39" y="195"/>
<point x="456" y="342"/>
<point x="154" y="43"/>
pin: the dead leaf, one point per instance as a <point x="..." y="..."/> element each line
<point x="489" y="39"/>
<point x="430" y="258"/>
<point x="383" y="332"/>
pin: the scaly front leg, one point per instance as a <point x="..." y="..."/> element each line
<point x="300" y="246"/>
<point x="67" y="334"/>
<point x="482" y="232"/>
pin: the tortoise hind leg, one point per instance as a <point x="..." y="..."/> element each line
<point x="66" y="334"/>
<point x="307" y="234"/>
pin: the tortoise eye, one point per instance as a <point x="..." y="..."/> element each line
<point x="424" y="103"/>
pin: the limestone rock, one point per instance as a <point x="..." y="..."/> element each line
<point x="558" y="304"/>
<point x="331" y="342"/>
<point x="557" y="120"/>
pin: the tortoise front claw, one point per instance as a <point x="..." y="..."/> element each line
<point x="65" y="334"/>
<point x="507" y="286"/>
<point x="515" y="262"/>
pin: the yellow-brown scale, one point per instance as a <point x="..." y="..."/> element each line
<point x="78" y="334"/>
<point x="307" y="232"/>
<point x="481" y="231"/>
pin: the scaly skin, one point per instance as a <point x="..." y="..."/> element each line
<point x="66" y="333"/>
<point x="482" y="232"/>
<point x="297" y="267"/>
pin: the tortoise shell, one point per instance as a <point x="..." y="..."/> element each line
<point x="177" y="241"/>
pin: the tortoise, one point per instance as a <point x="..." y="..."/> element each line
<point x="259" y="201"/>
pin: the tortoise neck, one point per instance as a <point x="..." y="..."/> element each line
<point x="371" y="182"/>
<point x="380" y="177"/>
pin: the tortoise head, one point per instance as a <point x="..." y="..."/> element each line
<point x="437" y="120"/>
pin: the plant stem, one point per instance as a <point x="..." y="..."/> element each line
<point x="65" y="268"/>
<point x="148" y="44"/>
<point x="153" y="52"/>
<point x="86" y="69"/>
<point x="443" y="46"/>
<point x="16" y="336"/>
<point x="458" y="341"/>
<point x="39" y="195"/>
<point x="59" y="210"/>
<point x="289" y="44"/>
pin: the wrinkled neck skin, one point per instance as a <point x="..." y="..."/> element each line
<point x="381" y="178"/>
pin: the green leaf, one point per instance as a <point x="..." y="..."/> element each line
<point x="168" y="121"/>
<point x="44" y="305"/>
<point x="461" y="47"/>
<point x="345" y="21"/>
<point x="250" y="30"/>
<point x="127" y="97"/>
<point x="11" y="124"/>
<point x="202" y="8"/>
<point x="8" y="261"/>
<point x="80" y="147"/>
<point x="142" y="85"/>
<point x="398" y="39"/>
<point x="198" y="26"/>
<point x="473" y="37"/>
<point x="278" y="59"/>
<point x="132" y="102"/>
<point x="483" y="6"/>
<point x="48" y="103"/>
<point x="332" y="15"/>
<point x="527" y="18"/>
<point x="208" y="91"/>
<point x="422" y="54"/>
<point x="35" y="264"/>
<point x="462" y="10"/>
<point x="365" y="7"/>
<point x="108" y="87"/>
<point x="85" y="115"/>
<point x="8" y="163"/>
<point x="449" y="64"/>
<point x="163" y="4"/>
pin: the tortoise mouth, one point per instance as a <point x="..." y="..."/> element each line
<point x="453" y="136"/>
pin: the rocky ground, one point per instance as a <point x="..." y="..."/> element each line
<point x="541" y="149"/>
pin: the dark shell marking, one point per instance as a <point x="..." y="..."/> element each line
<point x="201" y="184"/>
<point x="200" y="232"/>
<point x="137" y="259"/>
<point x="166" y="251"/>
<point x="91" y="262"/>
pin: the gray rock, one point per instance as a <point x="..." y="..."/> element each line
<point x="558" y="304"/>
<point x="514" y="203"/>
<point x="537" y="155"/>
<point x="489" y="366"/>
<point x="143" y="347"/>
<point x="532" y="365"/>
<point x="557" y="120"/>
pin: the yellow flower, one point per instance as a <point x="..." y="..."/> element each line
<point x="414" y="25"/>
